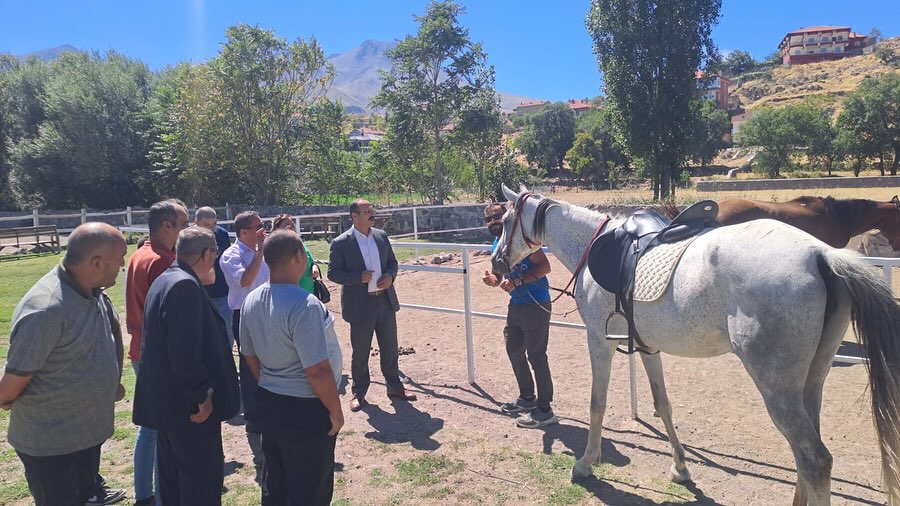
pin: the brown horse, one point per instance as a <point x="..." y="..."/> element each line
<point x="833" y="221"/>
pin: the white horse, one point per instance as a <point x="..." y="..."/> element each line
<point x="775" y="296"/>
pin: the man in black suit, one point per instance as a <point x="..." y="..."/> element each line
<point x="188" y="383"/>
<point x="363" y="262"/>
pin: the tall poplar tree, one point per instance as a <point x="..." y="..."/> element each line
<point x="648" y="52"/>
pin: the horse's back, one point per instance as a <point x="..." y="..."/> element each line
<point x="761" y="270"/>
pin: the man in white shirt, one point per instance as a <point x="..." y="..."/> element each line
<point x="244" y="270"/>
<point x="363" y="262"/>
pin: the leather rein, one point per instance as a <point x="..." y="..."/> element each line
<point x="517" y="210"/>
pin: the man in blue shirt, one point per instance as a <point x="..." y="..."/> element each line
<point x="218" y="291"/>
<point x="527" y="329"/>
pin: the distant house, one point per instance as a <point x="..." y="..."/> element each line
<point x="715" y="89"/>
<point x="580" y="107"/>
<point x="737" y="122"/>
<point x="531" y="107"/>
<point x="823" y="43"/>
<point x="361" y="138"/>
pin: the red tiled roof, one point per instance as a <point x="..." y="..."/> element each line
<point x="579" y="104"/>
<point x="818" y="28"/>
<point x="532" y="104"/>
<point x="370" y="131"/>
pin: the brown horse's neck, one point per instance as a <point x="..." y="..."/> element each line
<point x="859" y="215"/>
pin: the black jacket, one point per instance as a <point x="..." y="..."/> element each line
<point x="346" y="265"/>
<point x="184" y="353"/>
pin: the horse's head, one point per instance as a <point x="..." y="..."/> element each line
<point x="518" y="238"/>
<point x="891" y="228"/>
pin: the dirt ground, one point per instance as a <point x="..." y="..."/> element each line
<point x="455" y="446"/>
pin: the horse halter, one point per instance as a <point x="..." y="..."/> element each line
<point x="517" y="210"/>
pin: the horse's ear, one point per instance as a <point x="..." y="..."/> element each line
<point x="522" y="188"/>
<point x="509" y="194"/>
<point x="895" y="201"/>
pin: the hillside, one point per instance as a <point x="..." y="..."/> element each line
<point x="777" y="86"/>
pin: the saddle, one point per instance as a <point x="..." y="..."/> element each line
<point x="614" y="255"/>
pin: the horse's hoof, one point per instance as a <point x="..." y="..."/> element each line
<point x="581" y="470"/>
<point x="677" y="476"/>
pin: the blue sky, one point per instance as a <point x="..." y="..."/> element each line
<point x="540" y="49"/>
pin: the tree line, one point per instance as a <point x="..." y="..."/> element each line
<point x="250" y="125"/>
<point x="815" y="133"/>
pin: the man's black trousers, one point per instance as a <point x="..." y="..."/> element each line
<point x="191" y="465"/>
<point x="62" y="480"/>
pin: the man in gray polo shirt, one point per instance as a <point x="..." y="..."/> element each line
<point x="64" y="368"/>
<point x="289" y="344"/>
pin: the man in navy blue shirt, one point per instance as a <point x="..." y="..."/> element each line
<point x="218" y="292"/>
<point x="527" y="329"/>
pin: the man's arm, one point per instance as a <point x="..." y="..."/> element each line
<point x="337" y="264"/>
<point x="181" y="312"/>
<point x="321" y="378"/>
<point x="12" y="386"/>
<point x="391" y="261"/>
<point x="252" y="270"/>
<point x="541" y="267"/>
<point x="253" y="363"/>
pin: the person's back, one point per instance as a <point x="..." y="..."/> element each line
<point x="288" y="330"/>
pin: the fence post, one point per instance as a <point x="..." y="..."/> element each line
<point x="128" y="221"/>
<point x="227" y="211"/>
<point x="467" y="304"/>
<point x="83" y="216"/>
<point x="37" y="236"/>
<point x="416" y="230"/>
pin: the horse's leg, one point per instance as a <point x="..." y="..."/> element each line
<point x="782" y="381"/>
<point x="601" y="353"/>
<point x="653" y="365"/>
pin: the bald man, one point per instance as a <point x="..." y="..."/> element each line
<point x="64" y="368"/>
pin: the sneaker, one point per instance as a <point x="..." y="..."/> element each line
<point x="537" y="418"/>
<point x="520" y="405"/>
<point x="105" y="495"/>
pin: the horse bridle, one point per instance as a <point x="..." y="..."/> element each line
<point x="517" y="210"/>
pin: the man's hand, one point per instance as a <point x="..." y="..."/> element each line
<point x="203" y="411"/>
<point x="366" y="277"/>
<point x="120" y="392"/>
<point x="385" y="281"/>
<point x="260" y="239"/>
<point x="337" y="421"/>
<point x="490" y="279"/>
<point x="507" y="285"/>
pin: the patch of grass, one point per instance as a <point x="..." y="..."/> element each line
<point x="672" y="490"/>
<point x="241" y="495"/>
<point x="126" y="434"/>
<point x="378" y="479"/>
<point x="8" y="455"/>
<point x="341" y="501"/>
<point x="567" y="494"/>
<point x="13" y="490"/>
<point x="438" y="493"/>
<point x="427" y="469"/>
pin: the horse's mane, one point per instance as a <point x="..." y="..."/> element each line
<point x="540" y="215"/>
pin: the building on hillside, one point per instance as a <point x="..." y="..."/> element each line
<point x="580" y="107"/>
<point x="531" y="107"/>
<point x="737" y="121"/>
<point x="715" y="89"/>
<point x="361" y="138"/>
<point x="823" y="43"/>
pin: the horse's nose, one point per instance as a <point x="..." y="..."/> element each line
<point x="501" y="264"/>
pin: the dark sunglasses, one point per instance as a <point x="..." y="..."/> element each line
<point x="493" y="217"/>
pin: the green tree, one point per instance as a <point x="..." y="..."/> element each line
<point x="600" y="124"/>
<point x="266" y="82"/>
<point x="709" y="131"/>
<point x="648" y="53"/>
<point x="478" y="136"/>
<point x="737" y="62"/>
<point x="434" y="76"/>
<point x="549" y="136"/>
<point x="783" y="132"/>
<point x="90" y="147"/>
<point x="586" y="159"/>
<point x="871" y="120"/>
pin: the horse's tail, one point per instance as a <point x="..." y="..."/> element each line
<point x="876" y="319"/>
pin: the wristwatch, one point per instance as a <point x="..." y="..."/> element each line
<point x="209" y="392"/>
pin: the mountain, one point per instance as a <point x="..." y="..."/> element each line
<point x="48" y="54"/>
<point x="357" y="77"/>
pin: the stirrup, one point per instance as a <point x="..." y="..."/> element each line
<point x="620" y="329"/>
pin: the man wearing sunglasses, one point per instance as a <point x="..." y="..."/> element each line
<point x="527" y="329"/>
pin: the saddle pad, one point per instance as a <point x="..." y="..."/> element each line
<point x="655" y="268"/>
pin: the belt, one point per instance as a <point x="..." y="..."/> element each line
<point x="376" y="293"/>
